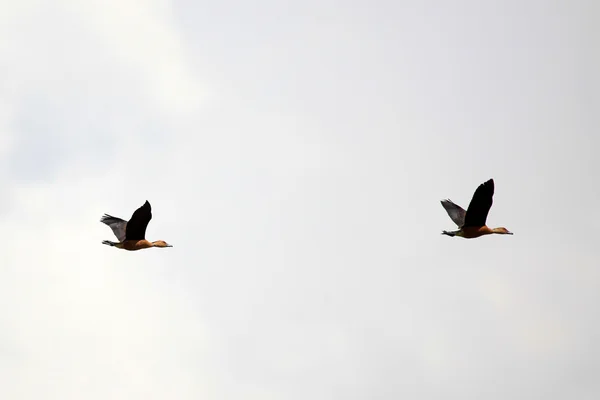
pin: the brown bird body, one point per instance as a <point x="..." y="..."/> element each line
<point x="132" y="233"/>
<point x="139" y="244"/>
<point x="472" y="223"/>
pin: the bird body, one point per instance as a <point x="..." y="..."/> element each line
<point x="136" y="244"/>
<point x="472" y="223"/>
<point x="472" y="232"/>
<point x="132" y="233"/>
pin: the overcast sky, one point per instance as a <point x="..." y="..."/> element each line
<point x="295" y="154"/>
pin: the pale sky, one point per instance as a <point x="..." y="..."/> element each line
<point x="295" y="154"/>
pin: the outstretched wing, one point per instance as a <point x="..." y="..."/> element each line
<point x="480" y="204"/>
<point x="136" y="227"/>
<point x="117" y="225"/>
<point x="455" y="212"/>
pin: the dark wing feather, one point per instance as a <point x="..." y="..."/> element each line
<point x="480" y="205"/>
<point x="117" y="225"/>
<point x="455" y="212"/>
<point x="136" y="227"/>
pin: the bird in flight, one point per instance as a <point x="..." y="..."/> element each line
<point x="471" y="223"/>
<point x="132" y="233"/>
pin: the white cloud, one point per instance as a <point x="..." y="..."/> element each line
<point x="81" y="324"/>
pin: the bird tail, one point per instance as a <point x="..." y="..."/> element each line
<point x="108" y="242"/>
<point x="451" y="234"/>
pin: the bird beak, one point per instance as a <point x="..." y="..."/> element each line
<point x="170" y="245"/>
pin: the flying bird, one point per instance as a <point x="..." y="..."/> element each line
<point x="132" y="233"/>
<point x="471" y="223"/>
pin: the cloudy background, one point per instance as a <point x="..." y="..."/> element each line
<point x="295" y="155"/>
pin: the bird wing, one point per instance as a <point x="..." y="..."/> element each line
<point x="136" y="227"/>
<point x="117" y="225"/>
<point x="455" y="212"/>
<point x="480" y="204"/>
